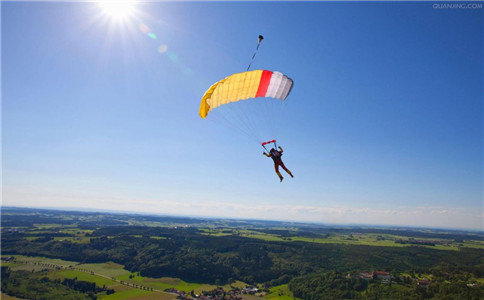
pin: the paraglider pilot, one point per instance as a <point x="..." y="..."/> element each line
<point x="276" y="157"/>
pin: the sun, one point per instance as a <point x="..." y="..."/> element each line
<point x="117" y="10"/>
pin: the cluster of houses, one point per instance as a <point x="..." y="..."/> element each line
<point x="385" y="277"/>
<point x="215" y="294"/>
<point x="423" y="282"/>
<point x="7" y="258"/>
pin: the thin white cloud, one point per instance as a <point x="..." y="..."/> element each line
<point x="429" y="216"/>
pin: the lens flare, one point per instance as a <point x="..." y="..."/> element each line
<point x="144" y="29"/>
<point x="152" y="35"/>
<point x="162" y="49"/>
<point x="172" y="56"/>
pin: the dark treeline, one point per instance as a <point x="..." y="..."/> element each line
<point x="31" y="220"/>
<point x="36" y="286"/>
<point x="317" y="233"/>
<point x="334" y="285"/>
<point x="34" y="219"/>
<point x="144" y="231"/>
<point x="185" y="253"/>
<point x="87" y="287"/>
<point x="414" y="233"/>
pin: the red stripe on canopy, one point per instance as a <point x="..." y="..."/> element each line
<point x="264" y="83"/>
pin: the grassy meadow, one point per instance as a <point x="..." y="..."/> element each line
<point x="102" y="274"/>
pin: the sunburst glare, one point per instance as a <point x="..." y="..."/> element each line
<point x="118" y="10"/>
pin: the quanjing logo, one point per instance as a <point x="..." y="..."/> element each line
<point x="457" y="5"/>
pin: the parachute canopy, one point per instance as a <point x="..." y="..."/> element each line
<point x="242" y="86"/>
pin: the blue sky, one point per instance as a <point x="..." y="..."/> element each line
<point x="384" y="124"/>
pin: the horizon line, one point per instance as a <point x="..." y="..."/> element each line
<point x="94" y="210"/>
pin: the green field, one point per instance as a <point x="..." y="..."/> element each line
<point x="134" y="279"/>
<point x="28" y="268"/>
<point x="387" y="240"/>
<point x="100" y="281"/>
<point x="280" y="292"/>
<point x="7" y="297"/>
<point x="107" y="269"/>
<point x="137" y="294"/>
<point x="158" y="237"/>
<point x="214" y="232"/>
<point x="117" y="271"/>
<point x="167" y="282"/>
<point x="73" y="239"/>
<point x="48" y="226"/>
<point x="480" y="280"/>
<point x="474" y="244"/>
<point x="45" y="260"/>
<point x="10" y="264"/>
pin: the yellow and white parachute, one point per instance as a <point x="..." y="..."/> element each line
<point x="260" y="116"/>
<point x="246" y="85"/>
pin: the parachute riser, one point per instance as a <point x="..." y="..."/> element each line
<point x="268" y="142"/>
<point x="256" y="49"/>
